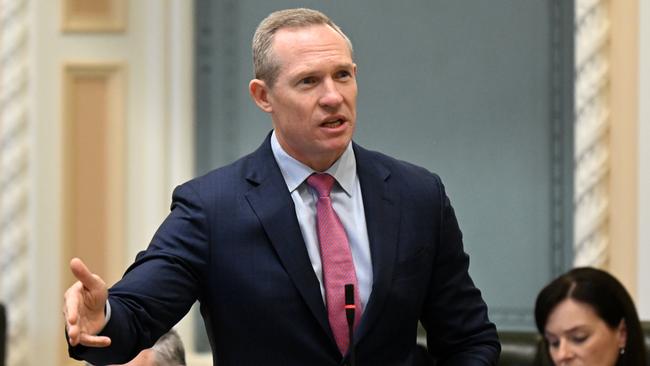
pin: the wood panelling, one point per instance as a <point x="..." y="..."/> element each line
<point x="623" y="177"/>
<point x="94" y="169"/>
<point x="93" y="15"/>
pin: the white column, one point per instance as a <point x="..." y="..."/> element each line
<point x="14" y="175"/>
<point x="591" y="237"/>
<point x="180" y="127"/>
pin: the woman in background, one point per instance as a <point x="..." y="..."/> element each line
<point x="588" y="318"/>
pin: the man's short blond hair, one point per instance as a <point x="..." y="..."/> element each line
<point x="266" y="66"/>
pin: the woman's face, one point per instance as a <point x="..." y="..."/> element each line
<point x="576" y="335"/>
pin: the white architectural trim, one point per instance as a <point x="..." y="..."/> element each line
<point x="161" y="147"/>
<point x="591" y="237"/>
<point x="15" y="176"/>
<point x="157" y="51"/>
<point x="179" y="151"/>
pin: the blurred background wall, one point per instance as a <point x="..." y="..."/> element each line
<point x="106" y="105"/>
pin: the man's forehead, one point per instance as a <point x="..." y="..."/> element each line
<point x="309" y="40"/>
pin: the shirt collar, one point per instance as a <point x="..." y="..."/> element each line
<point x="344" y="170"/>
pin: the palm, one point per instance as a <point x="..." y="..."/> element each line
<point x="91" y="311"/>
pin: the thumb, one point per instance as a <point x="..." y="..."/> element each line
<point x="83" y="274"/>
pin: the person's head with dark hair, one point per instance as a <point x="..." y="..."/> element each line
<point x="588" y="318"/>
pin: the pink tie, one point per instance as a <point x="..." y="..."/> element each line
<point x="338" y="267"/>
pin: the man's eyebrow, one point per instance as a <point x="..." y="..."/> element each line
<point x="307" y="71"/>
<point x="345" y="65"/>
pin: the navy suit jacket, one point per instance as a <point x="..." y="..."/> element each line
<point x="233" y="242"/>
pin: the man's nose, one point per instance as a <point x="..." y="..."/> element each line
<point x="331" y="96"/>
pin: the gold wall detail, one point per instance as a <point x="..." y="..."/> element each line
<point x="94" y="167"/>
<point x="93" y="15"/>
<point x="624" y="218"/>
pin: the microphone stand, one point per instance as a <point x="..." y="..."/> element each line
<point x="350" y="309"/>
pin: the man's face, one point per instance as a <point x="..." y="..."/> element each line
<point x="313" y="100"/>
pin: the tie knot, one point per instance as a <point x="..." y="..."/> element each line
<point x="322" y="183"/>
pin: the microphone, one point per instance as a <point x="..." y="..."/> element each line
<point x="350" y="309"/>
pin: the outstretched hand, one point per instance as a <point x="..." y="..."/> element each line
<point x="83" y="307"/>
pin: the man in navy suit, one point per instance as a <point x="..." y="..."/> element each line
<point x="243" y="239"/>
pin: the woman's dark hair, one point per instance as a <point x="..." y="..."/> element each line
<point x="606" y="295"/>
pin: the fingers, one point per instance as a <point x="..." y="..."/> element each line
<point x="71" y="312"/>
<point x="94" y="341"/>
<point x="88" y="340"/>
<point x="84" y="275"/>
<point x="71" y="303"/>
<point x="73" y="335"/>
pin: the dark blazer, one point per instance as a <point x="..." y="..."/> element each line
<point x="233" y="242"/>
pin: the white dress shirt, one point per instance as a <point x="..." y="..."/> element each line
<point x="347" y="202"/>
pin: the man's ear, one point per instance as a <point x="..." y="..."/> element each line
<point x="259" y="92"/>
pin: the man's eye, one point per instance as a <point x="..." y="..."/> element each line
<point x="343" y="74"/>
<point x="308" y="80"/>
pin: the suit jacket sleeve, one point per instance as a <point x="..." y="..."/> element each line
<point x="159" y="288"/>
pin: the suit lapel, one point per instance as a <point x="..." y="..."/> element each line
<point x="272" y="203"/>
<point x="381" y="206"/>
